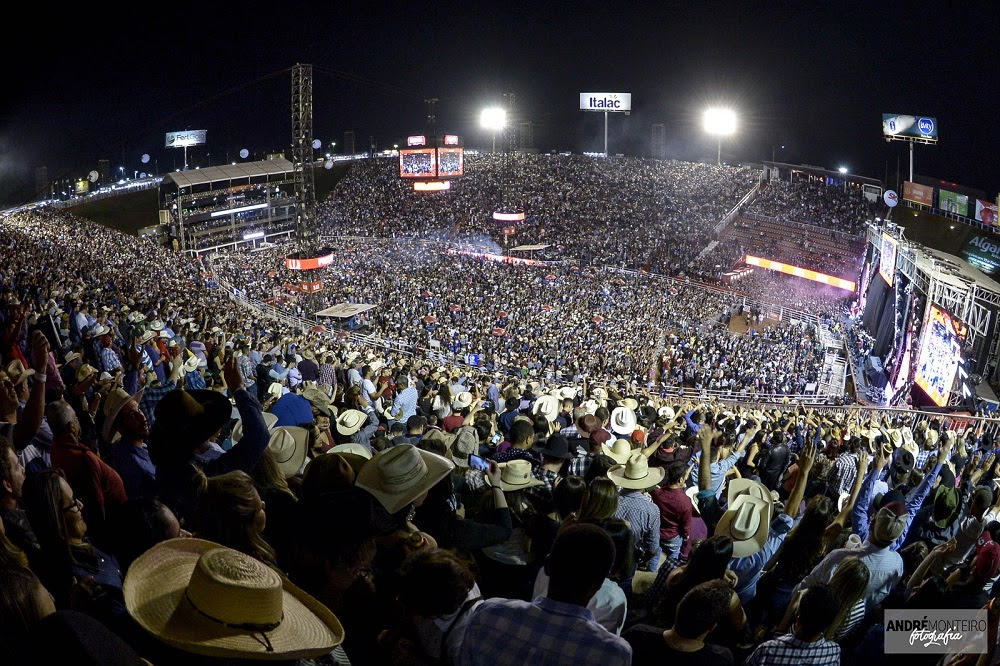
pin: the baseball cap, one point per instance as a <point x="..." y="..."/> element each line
<point x="889" y="523"/>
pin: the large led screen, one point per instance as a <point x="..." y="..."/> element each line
<point x="887" y="259"/>
<point x="940" y="354"/>
<point x="417" y="163"/>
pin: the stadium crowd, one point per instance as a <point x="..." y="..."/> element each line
<point x="818" y="204"/>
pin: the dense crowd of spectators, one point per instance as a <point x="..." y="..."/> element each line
<point x="826" y="206"/>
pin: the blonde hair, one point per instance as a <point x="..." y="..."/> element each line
<point x="849" y="581"/>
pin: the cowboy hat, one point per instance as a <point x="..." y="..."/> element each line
<point x="636" y="473"/>
<point x="318" y="398"/>
<point x="389" y="415"/>
<point x="100" y="330"/>
<point x="206" y="599"/>
<point x="462" y="400"/>
<point x="516" y="475"/>
<point x="666" y="412"/>
<point x="746" y="523"/>
<point x="567" y="393"/>
<point x="466" y="442"/>
<point x="352" y="448"/>
<point x="397" y="476"/>
<point x="308" y="353"/>
<point x="270" y="420"/>
<point x="72" y="356"/>
<point x="623" y="421"/>
<point x="351" y="421"/>
<point x="745" y="486"/>
<point x="146" y="337"/>
<point x="590" y="406"/>
<point x="191" y="364"/>
<point x="85" y="371"/>
<point x="188" y="418"/>
<point x="17" y="372"/>
<point x="556" y="446"/>
<point x="629" y="403"/>
<point x="288" y="446"/>
<point x="117" y="399"/>
<point x="620" y="451"/>
<point x="547" y="407"/>
<point x="156" y="325"/>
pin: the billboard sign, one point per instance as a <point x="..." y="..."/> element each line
<point x="919" y="128"/>
<point x="186" y="138"/>
<point x="450" y="162"/>
<point x="953" y="202"/>
<point x="917" y="193"/>
<point x="418" y="163"/>
<point x="416" y="141"/>
<point x="887" y="258"/>
<point x="940" y="354"/>
<point x="309" y="264"/>
<point x="612" y="102"/>
<point x="986" y="212"/>
<point x="81" y="187"/>
<point x="451" y="139"/>
<point x="983" y="253"/>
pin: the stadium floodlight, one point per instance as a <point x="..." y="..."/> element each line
<point x="843" y="169"/>
<point x="720" y="122"/>
<point x="493" y="119"/>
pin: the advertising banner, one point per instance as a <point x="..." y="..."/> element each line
<point x="917" y="193"/>
<point x="612" y="102"/>
<point x="983" y="253"/>
<point x="186" y="138"/>
<point x="953" y="202"/>
<point x="986" y="212"/>
<point x="923" y="128"/>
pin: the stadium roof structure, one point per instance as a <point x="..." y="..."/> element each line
<point x="529" y="248"/>
<point x="345" y="310"/>
<point x="953" y="270"/>
<point x="825" y="173"/>
<point x="264" y="170"/>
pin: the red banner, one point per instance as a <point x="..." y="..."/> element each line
<point x="921" y="194"/>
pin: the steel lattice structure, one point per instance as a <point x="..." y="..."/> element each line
<point x="302" y="157"/>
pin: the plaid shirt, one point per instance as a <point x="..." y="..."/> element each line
<point x="248" y="369"/>
<point x="922" y="456"/>
<point x="640" y="512"/>
<point x="151" y="396"/>
<point x="327" y="375"/>
<point x="788" y="650"/>
<point x="579" y="466"/>
<point x="542" y="494"/>
<point x="510" y="632"/>
<point x="109" y="359"/>
<point x="844" y="471"/>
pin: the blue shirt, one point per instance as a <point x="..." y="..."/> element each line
<point x="405" y="402"/>
<point x="749" y="568"/>
<point x="292" y="410"/>
<point x="135" y="468"/>
<point x="914" y="499"/>
<point x="718" y="470"/>
<point x="511" y="632"/>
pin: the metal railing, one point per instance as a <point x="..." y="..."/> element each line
<point x="731" y="215"/>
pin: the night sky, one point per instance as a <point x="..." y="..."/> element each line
<point x="812" y="76"/>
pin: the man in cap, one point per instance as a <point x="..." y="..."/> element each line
<point x="955" y="512"/>
<point x="556" y="628"/>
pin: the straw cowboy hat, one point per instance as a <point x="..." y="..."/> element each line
<point x="516" y="475"/>
<point x="18" y="373"/>
<point x="352" y="448"/>
<point x="620" y="451"/>
<point x="85" y="371"/>
<point x="462" y="400"/>
<point x="270" y="420"/>
<point x="320" y="400"/>
<point x="546" y="406"/>
<point x="146" y="337"/>
<point x="206" y="599"/>
<point x="351" y="421"/>
<point x="72" y="356"/>
<point x="908" y="442"/>
<point x="466" y="442"/>
<point x="623" y="421"/>
<point x="746" y="522"/>
<point x="629" y="403"/>
<point x="308" y="354"/>
<point x="117" y="399"/>
<point x="288" y="445"/>
<point x="397" y="476"/>
<point x="636" y="473"/>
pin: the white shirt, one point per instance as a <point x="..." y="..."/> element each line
<point x="608" y="605"/>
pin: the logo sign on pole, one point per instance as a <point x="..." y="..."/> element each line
<point x="890" y="198"/>
<point x="416" y="141"/>
<point x="611" y="102"/>
<point x="186" y="138"/>
<point x="909" y="128"/>
<point x="451" y="139"/>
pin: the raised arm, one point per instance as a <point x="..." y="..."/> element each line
<point x="806" y="459"/>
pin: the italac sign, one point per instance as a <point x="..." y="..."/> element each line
<point x="610" y="102"/>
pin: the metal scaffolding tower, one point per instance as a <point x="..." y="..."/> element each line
<point x="302" y="158"/>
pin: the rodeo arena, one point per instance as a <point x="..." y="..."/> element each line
<point x="499" y="407"/>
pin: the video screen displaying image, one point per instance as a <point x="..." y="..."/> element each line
<point x="887" y="260"/>
<point x="940" y="355"/>
<point x="417" y="163"/>
<point x="451" y="162"/>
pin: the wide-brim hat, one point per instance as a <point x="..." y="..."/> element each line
<point x="590" y="406"/>
<point x="466" y="442"/>
<point x="320" y="400"/>
<point x="567" y="393"/>
<point x="84" y="371"/>
<point x="546" y="406"/>
<point x="17" y="372"/>
<point x="556" y="446"/>
<point x="270" y="420"/>
<point x="398" y="475"/>
<point x="630" y="403"/>
<point x="623" y="421"/>
<point x="191" y="364"/>
<point x="288" y="446"/>
<point x="100" y="330"/>
<point x="692" y="494"/>
<point x="188" y="418"/>
<point x="666" y="412"/>
<point x="206" y="599"/>
<point x="146" y="337"/>
<point x="309" y="354"/>
<point x="351" y="421"/>
<point x="352" y="448"/>
<point x="113" y="404"/>
<point x="636" y="473"/>
<point x="462" y="400"/>
<point x="745" y="486"/>
<point x="516" y="475"/>
<point x="746" y="522"/>
<point x="620" y="450"/>
<point x="72" y="356"/>
<point x="156" y="325"/>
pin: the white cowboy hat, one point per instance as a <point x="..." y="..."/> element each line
<point x="356" y="449"/>
<point x="516" y="475"/>
<point x="620" y="451"/>
<point x="745" y="486"/>
<point x="206" y="599"/>
<point x="629" y="403"/>
<point x="636" y="473"/>
<point x="101" y="330"/>
<point x="270" y="420"/>
<point x="398" y="475"/>
<point x="842" y="500"/>
<point x="746" y="522"/>
<point x="288" y="445"/>
<point x="72" y="356"/>
<point x="351" y="421"/>
<point x="191" y="364"/>
<point x="462" y="400"/>
<point x="667" y="413"/>
<point x="590" y="406"/>
<point x="156" y="325"/>
<point x="164" y="335"/>
<point x="623" y="421"/>
<point x="692" y="493"/>
<point x="547" y="407"/>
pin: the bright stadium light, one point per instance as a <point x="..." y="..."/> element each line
<point x="843" y="169"/>
<point x="493" y="119"/>
<point x="720" y="122"/>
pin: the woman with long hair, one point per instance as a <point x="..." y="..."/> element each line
<point x="600" y="501"/>
<point x="24" y="602"/>
<point x="57" y="520"/>
<point x="230" y="512"/>
<point x="850" y="581"/>
<point x="708" y="562"/>
<point x="272" y="486"/>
